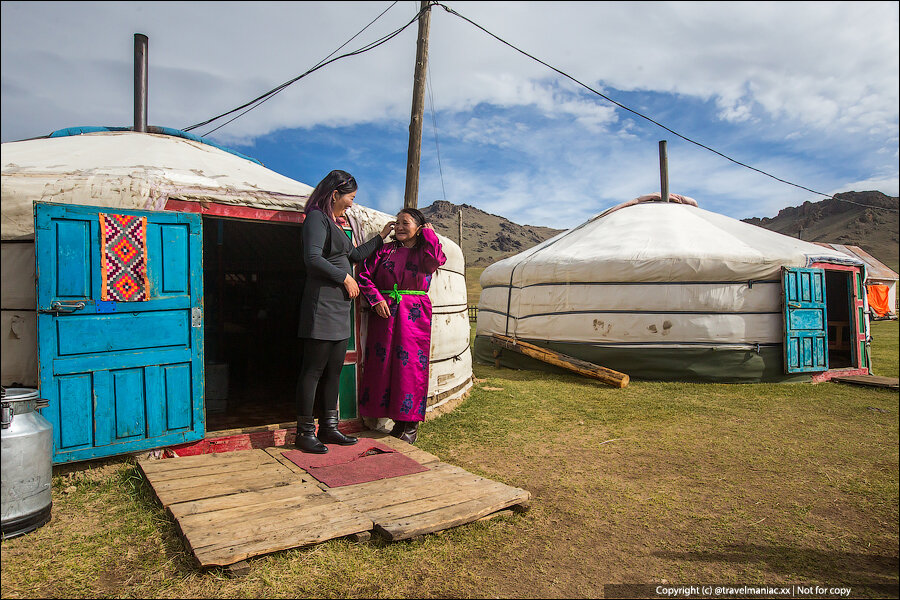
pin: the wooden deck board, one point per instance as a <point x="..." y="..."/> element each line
<point x="448" y="516"/>
<point x="201" y="460"/>
<point x="236" y="505"/>
<point x="261" y="497"/>
<point x="870" y="380"/>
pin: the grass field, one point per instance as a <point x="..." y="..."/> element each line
<point x="654" y="483"/>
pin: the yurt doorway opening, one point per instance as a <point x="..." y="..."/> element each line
<point x="252" y="274"/>
<point x="841" y="326"/>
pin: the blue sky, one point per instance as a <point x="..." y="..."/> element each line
<point x="805" y="91"/>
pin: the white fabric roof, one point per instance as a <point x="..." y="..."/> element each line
<point x="133" y="170"/>
<point x="656" y="241"/>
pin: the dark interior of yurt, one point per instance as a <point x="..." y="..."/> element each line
<point x="253" y="276"/>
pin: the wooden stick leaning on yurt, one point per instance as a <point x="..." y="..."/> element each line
<point x="582" y="367"/>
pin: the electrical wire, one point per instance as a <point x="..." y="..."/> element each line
<point x="657" y="123"/>
<point x="318" y="64"/>
<point x="434" y="129"/>
<point x="258" y="100"/>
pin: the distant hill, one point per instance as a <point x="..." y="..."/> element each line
<point x="840" y="221"/>
<point x="486" y="238"/>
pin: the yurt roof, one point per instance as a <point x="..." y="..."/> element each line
<point x="133" y="170"/>
<point x="650" y="241"/>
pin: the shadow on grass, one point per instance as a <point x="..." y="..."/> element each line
<point x="813" y="565"/>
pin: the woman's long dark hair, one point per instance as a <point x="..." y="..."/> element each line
<point x="320" y="199"/>
<point x="418" y="217"/>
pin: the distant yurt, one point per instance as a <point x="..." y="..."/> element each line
<point x="881" y="281"/>
<point x="200" y="337"/>
<point x="669" y="291"/>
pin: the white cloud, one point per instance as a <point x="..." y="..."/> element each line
<point x="806" y="89"/>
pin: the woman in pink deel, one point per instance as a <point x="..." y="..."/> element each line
<point x="395" y="280"/>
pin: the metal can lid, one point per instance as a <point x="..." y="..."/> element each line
<point x="19" y="394"/>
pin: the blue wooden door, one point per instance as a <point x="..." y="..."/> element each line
<point x="120" y="376"/>
<point x="805" y="320"/>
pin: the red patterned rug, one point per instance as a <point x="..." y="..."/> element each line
<point x="124" y="258"/>
<point x="367" y="460"/>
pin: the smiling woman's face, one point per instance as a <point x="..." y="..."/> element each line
<point x="405" y="228"/>
<point x="342" y="202"/>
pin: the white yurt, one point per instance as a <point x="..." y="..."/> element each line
<point x="669" y="291"/>
<point x="214" y="348"/>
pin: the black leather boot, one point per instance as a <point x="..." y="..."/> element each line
<point x="410" y="432"/>
<point x="397" y="429"/>
<point x="328" y="430"/>
<point x="306" y="436"/>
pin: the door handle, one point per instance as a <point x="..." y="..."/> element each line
<point x="63" y="307"/>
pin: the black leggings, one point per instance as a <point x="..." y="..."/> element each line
<point x="320" y="374"/>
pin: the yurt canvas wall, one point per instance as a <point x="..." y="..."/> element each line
<point x="251" y="222"/>
<point x="670" y="291"/>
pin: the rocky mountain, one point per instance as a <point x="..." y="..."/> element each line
<point x="486" y="238"/>
<point x="844" y="220"/>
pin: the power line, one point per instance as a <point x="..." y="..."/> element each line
<point x="318" y="64"/>
<point x="434" y="129"/>
<point x="658" y="124"/>
<point x="258" y="100"/>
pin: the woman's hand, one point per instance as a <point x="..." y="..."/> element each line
<point x="382" y="310"/>
<point x="388" y="230"/>
<point x="351" y="287"/>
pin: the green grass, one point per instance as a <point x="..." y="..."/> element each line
<point x="687" y="483"/>
<point x="884" y="348"/>
<point x="473" y="287"/>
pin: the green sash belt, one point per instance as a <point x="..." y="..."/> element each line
<point x="398" y="294"/>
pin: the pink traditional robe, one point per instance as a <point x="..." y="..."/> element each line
<point x="395" y="364"/>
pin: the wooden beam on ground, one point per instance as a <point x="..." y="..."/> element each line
<point x="892" y="383"/>
<point x="582" y="367"/>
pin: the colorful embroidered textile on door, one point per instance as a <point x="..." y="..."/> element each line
<point x="124" y="258"/>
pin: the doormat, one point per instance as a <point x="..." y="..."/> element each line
<point x="123" y="257"/>
<point x="368" y="460"/>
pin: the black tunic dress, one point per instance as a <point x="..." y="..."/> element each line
<point x="327" y="254"/>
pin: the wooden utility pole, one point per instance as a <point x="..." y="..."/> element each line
<point x="410" y="199"/>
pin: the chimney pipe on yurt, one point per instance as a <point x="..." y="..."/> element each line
<point x="663" y="172"/>
<point x="140" y="82"/>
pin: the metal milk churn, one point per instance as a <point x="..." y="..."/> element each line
<point x="25" y="459"/>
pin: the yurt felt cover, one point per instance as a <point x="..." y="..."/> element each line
<point x="656" y="290"/>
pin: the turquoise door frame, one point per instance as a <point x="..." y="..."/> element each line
<point x="120" y="376"/>
<point x="805" y="320"/>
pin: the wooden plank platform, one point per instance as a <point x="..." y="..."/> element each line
<point x="235" y="505"/>
<point x="892" y="383"/>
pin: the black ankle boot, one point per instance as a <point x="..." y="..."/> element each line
<point x="328" y="430"/>
<point x="397" y="429"/>
<point x="410" y="432"/>
<point x="306" y="436"/>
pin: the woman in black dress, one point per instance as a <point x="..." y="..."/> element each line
<point x="325" y="308"/>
